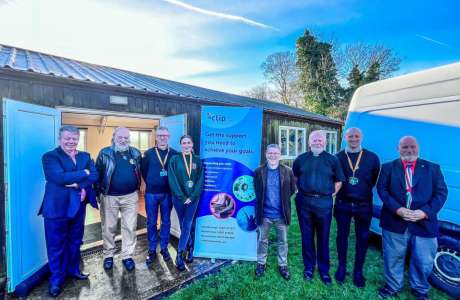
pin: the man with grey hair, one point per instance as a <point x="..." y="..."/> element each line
<point x="361" y="168"/>
<point x="158" y="194"/>
<point x="319" y="178"/>
<point x="69" y="177"/>
<point x="413" y="191"/>
<point x="274" y="184"/>
<point x="119" y="181"/>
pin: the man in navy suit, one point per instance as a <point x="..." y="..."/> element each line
<point x="413" y="191"/>
<point x="69" y="177"/>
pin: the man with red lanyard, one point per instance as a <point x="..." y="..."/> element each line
<point x="413" y="191"/>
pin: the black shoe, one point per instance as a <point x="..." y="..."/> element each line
<point x="80" y="276"/>
<point x="129" y="264"/>
<point x="308" y="275"/>
<point x="386" y="292"/>
<point x="260" y="270"/>
<point x="108" y="263"/>
<point x="165" y="254"/>
<point x="54" y="290"/>
<point x="340" y="274"/>
<point x="189" y="257"/>
<point x="284" y="272"/>
<point x="419" y="296"/>
<point x="180" y="265"/>
<point x="151" y="257"/>
<point x="326" y="279"/>
<point x="359" y="280"/>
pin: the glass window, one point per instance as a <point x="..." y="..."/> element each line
<point x="140" y="139"/>
<point x="82" y="141"/>
<point x="331" y="138"/>
<point x="291" y="141"/>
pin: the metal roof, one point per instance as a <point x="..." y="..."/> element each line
<point x="44" y="64"/>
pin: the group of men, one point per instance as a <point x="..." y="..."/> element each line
<point x="412" y="190"/>
<point x="114" y="181"/>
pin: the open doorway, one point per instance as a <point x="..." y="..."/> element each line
<point x="96" y="131"/>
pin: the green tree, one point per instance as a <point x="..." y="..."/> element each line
<point x="373" y="73"/>
<point x="317" y="74"/>
<point x="355" y="78"/>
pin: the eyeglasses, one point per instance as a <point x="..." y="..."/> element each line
<point x="162" y="135"/>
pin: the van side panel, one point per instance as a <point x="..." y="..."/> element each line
<point x="437" y="129"/>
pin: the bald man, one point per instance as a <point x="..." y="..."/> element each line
<point x="319" y="178"/>
<point x="361" y="168"/>
<point x="413" y="191"/>
<point x="119" y="168"/>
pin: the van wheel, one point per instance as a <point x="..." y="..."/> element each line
<point x="446" y="271"/>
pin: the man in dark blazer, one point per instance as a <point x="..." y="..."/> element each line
<point x="413" y="191"/>
<point x="274" y="185"/>
<point x="69" y="177"/>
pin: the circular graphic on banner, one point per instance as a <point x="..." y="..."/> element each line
<point x="243" y="188"/>
<point x="222" y="206"/>
<point x="246" y="218"/>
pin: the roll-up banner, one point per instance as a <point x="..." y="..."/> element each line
<point x="230" y="148"/>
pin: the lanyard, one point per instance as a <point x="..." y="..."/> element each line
<point x="187" y="167"/>
<point x="162" y="163"/>
<point x="354" y="168"/>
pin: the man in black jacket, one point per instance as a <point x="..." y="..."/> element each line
<point x="413" y="191"/>
<point x="274" y="184"/>
<point x="354" y="200"/>
<point x="119" y="180"/>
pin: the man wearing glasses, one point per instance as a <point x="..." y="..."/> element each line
<point x="157" y="194"/>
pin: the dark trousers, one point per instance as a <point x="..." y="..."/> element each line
<point x="344" y="211"/>
<point x="186" y="215"/>
<point x="64" y="237"/>
<point x="164" y="203"/>
<point x="315" y="215"/>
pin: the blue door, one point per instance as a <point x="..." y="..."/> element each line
<point x="29" y="131"/>
<point x="177" y="126"/>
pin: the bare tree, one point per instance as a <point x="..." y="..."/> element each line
<point x="261" y="91"/>
<point x="365" y="55"/>
<point x="280" y="70"/>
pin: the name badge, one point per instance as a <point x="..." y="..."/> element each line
<point x="194" y="166"/>
<point x="190" y="184"/>
<point x="163" y="173"/>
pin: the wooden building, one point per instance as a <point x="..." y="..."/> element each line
<point x="97" y="98"/>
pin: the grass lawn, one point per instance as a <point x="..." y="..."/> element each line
<point x="237" y="281"/>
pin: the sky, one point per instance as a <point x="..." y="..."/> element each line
<point x="220" y="44"/>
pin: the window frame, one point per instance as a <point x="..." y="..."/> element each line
<point x="138" y="132"/>
<point x="84" y="140"/>
<point x="296" y="145"/>
<point x="329" y="139"/>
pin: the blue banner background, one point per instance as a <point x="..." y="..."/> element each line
<point x="230" y="148"/>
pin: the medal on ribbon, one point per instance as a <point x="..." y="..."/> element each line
<point x="188" y="168"/>
<point x="353" y="180"/>
<point x="163" y="171"/>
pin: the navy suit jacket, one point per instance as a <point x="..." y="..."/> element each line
<point x="429" y="192"/>
<point x="60" y="201"/>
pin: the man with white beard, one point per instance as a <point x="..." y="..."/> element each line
<point x="119" y="180"/>
<point x="413" y="191"/>
<point x="319" y="178"/>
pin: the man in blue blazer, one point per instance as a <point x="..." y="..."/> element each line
<point x="413" y="191"/>
<point x="69" y="177"/>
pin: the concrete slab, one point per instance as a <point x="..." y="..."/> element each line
<point x="156" y="281"/>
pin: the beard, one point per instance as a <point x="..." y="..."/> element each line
<point x="121" y="148"/>
<point x="316" y="150"/>
<point x="409" y="158"/>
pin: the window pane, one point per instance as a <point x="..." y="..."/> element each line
<point x="283" y="142"/>
<point x="300" y="141"/>
<point x="292" y="140"/>
<point x="144" y="141"/>
<point x="134" y="138"/>
<point x="82" y="141"/>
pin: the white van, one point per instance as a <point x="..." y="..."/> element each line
<point x="426" y="105"/>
